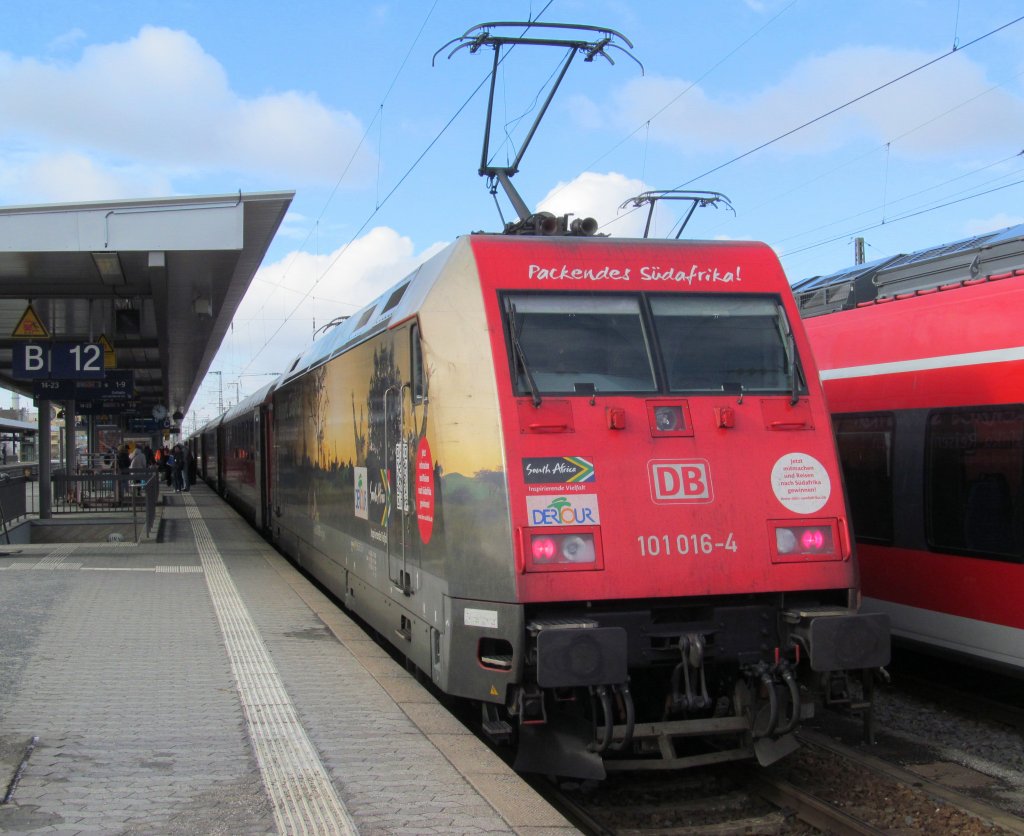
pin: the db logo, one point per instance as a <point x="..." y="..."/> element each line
<point x="680" y="481"/>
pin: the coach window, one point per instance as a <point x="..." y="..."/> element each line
<point x="974" y="480"/>
<point x="866" y="452"/>
<point x="576" y="344"/>
<point x="725" y="342"/>
<point x="419" y="383"/>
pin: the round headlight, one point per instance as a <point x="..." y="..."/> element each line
<point x="785" y="541"/>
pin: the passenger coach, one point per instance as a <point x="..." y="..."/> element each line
<point x="923" y="364"/>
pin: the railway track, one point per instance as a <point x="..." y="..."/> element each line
<point x="990" y="695"/>
<point x="915" y="802"/>
<point x="715" y="801"/>
<point x="738" y="800"/>
<point x="825" y="787"/>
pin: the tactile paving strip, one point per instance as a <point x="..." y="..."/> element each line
<point x="303" y="797"/>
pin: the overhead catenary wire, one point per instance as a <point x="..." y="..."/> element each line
<point x="647" y="122"/>
<point x="847" y="104"/>
<point x="904" y="198"/>
<point x="300" y="250"/>
<point x="314" y="228"/>
<point x="863" y="155"/>
<point x="834" y="110"/>
<point x="378" y="114"/>
<point x="380" y="204"/>
<point x="904" y="217"/>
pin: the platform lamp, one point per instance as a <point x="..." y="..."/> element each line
<point x="178" y="415"/>
<point x="109" y="266"/>
<point x="202" y="306"/>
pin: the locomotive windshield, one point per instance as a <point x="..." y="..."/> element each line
<point x="725" y="343"/>
<point x="581" y="344"/>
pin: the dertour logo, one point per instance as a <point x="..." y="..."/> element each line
<point x="579" y="509"/>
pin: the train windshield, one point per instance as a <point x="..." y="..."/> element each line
<point x="582" y="344"/>
<point x="716" y="343"/>
<point x="579" y="344"/>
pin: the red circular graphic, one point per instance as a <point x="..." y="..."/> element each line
<point x="423" y="490"/>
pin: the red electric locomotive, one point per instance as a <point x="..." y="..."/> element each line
<point x="587" y="483"/>
<point x="923" y="366"/>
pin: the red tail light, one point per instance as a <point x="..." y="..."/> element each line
<point x="546" y="551"/>
<point x="813" y="540"/>
<point x="543" y="549"/>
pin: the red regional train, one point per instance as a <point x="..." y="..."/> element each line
<point x="922" y="362"/>
<point x="589" y="484"/>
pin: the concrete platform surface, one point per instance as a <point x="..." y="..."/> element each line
<point x="200" y="684"/>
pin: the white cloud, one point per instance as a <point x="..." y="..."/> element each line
<point x="947" y="107"/>
<point x="160" y="98"/>
<point x="599" y="196"/>
<point x="586" y="113"/>
<point x="72" y="177"/>
<point x="302" y="291"/>
<point x="67" y="40"/>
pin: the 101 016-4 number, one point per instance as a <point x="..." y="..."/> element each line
<point x="683" y="545"/>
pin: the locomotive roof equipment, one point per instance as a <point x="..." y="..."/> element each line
<point x="481" y="35"/>
<point x="698" y="199"/>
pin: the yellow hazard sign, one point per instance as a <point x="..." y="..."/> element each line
<point x="30" y="326"/>
<point x="109" y="357"/>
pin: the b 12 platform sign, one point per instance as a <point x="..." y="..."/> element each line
<point x="63" y="361"/>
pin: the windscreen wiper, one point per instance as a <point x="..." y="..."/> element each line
<point x="520" y="355"/>
<point x="789" y="343"/>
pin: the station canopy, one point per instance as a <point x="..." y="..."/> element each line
<point x="154" y="283"/>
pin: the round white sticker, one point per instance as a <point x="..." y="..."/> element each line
<point x="801" y="483"/>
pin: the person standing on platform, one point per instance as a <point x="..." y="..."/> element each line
<point x="136" y="468"/>
<point x="177" y="464"/>
<point x="138" y="460"/>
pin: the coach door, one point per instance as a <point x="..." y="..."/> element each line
<point x="405" y="404"/>
<point x="264" y="447"/>
<point x="397" y="446"/>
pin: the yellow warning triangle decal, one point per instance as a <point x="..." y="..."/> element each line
<point x="30" y="325"/>
<point x="109" y="357"/>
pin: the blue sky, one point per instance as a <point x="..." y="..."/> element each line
<point x="339" y="101"/>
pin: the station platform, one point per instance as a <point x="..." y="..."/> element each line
<point x="197" y="683"/>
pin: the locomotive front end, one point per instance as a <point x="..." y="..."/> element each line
<point x="682" y="554"/>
